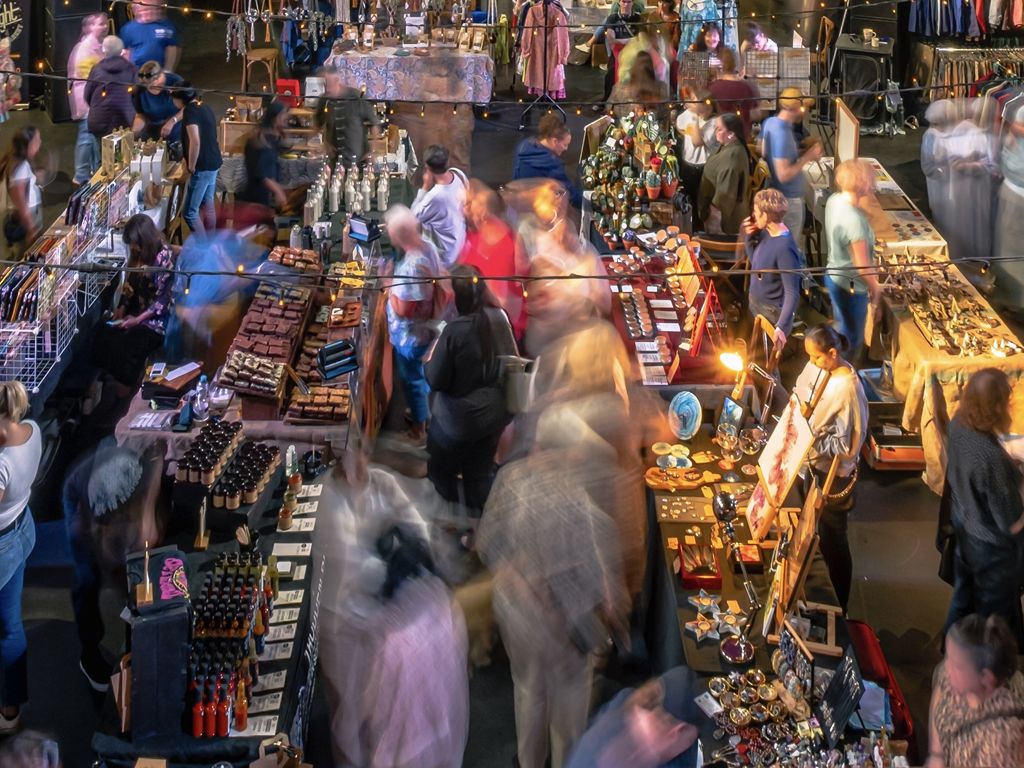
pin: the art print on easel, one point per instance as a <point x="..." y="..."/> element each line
<point x="784" y="454"/>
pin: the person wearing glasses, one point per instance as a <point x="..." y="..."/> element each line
<point x="156" y="114"/>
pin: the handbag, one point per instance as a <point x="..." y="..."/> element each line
<point x="945" y="537"/>
<point x="517" y="382"/>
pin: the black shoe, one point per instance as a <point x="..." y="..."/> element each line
<point x="96" y="672"/>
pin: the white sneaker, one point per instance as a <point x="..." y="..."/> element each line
<point x="10" y="725"/>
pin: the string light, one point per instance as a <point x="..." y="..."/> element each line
<point x="423" y="110"/>
<point x="240" y="268"/>
<point x="485" y="114"/>
<point x="525" y="292"/>
<point x="455" y="110"/>
<point x="209" y="15"/>
<point x="188" y="284"/>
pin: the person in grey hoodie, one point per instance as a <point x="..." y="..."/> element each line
<point x="110" y="102"/>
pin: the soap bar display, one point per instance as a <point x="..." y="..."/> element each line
<point x="272" y="326"/>
<point x="296" y="258"/>
<point x="322" y="404"/>
<point x="252" y="374"/>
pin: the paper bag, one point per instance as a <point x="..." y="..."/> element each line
<point x="281" y="754"/>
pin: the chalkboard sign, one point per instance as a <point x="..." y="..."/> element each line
<point x="841" y="698"/>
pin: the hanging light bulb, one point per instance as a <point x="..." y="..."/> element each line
<point x="188" y="284"/>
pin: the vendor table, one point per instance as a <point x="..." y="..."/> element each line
<point x="446" y="75"/>
<point x="287" y="667"/>
<point x="924" y="377"/>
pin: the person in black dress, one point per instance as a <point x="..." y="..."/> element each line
<point x="987" y="512"/>
<point x="262" y="160"/>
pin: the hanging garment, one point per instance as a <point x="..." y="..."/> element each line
<point x="972" y="172"/>
<point x="692" y="15"/>
<point x="546" y="25"/>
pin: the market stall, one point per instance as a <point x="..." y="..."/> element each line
<point x="942" y="328"/>
<point x="224" y="632"/>
<point x="419" y="74"/>
<point x="742" y="596"/>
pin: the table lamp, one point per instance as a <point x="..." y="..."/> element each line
<point x="735" y="649"/>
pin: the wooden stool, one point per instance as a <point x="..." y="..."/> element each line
<point x="268" y="57"/>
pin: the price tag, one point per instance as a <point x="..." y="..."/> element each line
<point x="648" y="358"/>
<point x="271" y="681"/>
<point x="661" y="303"/>
<point x="308" y="491"/>
<point x="290" y="597"/>
<point x="653" y="375"/>
<point x="668" y="327"/>
<point x="284" y="615"/>
<point x="281" y="632"/>
<point x="300" y="526"/>
<point x="653" y="288"/>
<point x="259" y="726"/>
<point x="300" y="573"/>
<point x="269" y="703"/>
<point x="646" y="346"/>
<point x="665" y="314"/>
<point x="305" y="549"/>
<point x="306" y="508"/>
<point x="277" y="651"/>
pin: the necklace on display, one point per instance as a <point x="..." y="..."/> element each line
<point x="696" y="6"/>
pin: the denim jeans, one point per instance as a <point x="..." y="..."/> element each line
<point x="850" y="312"/>
<point x="414" y="380"/>
<point x="87" y="153"/>
<point x="86" y="584"/>
<point x="794" y="219"/>
<point x="15" y="547"/>
<point x="202" y="185"/>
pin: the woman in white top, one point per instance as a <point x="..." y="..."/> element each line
<point x="20" y="451"/>
<point x="696" y="126"/>
<point x="22" y="217"/>
<point x="839" y="423"/>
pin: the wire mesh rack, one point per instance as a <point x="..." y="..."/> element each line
<point x="29" y="351"/>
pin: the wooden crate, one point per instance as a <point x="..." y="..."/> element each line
<point x="233" y="135"/>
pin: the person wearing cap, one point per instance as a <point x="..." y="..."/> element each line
<point x="109" y="499"/>
<point x="150" y="36"/>
<point x="156" y="115"/>
<point x="202" y="157"/>
<point x="785" y="161"/>
<point x="647" y="727"/>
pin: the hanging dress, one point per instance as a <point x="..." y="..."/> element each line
<point x="546" y="43"/>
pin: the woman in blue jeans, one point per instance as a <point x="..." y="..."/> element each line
<point x="851" y="277"/>
<point x="20" y="451"/>
<point x="411" y="312"/>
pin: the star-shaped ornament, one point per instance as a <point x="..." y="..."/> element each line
<point x="703" y="627"/>
<point x="705" y="603"/>
<point x="730" y="622"/>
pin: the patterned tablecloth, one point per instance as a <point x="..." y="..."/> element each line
<point x="445" y="75"/>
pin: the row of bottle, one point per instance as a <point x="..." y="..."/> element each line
<point x="222" y="676"/>
<point x="216" y="710"/>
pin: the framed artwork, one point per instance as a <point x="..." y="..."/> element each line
<point x="802" y="541"/>
<point x="784" y="454"/>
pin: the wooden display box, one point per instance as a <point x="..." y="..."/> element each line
<point x="233" y="135"/>
<point x="256" y="408"/>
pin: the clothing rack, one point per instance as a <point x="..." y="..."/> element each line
<point x="955" y="70"/>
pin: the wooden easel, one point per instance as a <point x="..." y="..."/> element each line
<point x="781" y="608"/>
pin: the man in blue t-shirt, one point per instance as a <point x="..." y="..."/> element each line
<point x="150" y="37"/>
<point x="156" y="115"/>
<point x="785" y="163"/>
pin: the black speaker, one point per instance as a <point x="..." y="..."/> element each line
<point x="58" y="105"/>
<point x="60" y="35"/>
<point x="61" y="8"/>
<point x="864" y="74"/>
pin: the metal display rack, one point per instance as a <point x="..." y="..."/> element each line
<point x="29" y="351"/>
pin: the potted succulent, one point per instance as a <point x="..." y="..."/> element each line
<point x="653" y="183"/>
<point x="669" y="182"/>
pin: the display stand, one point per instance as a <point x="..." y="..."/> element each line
<point x="543" y="96"/>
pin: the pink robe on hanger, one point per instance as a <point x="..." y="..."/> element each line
<point x="557" y="51"/>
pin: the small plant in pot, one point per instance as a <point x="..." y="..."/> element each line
<point x="653" y="183"/>
<point x="669" y="182"/>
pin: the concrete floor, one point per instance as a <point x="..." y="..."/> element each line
<point x="892" y="530"/>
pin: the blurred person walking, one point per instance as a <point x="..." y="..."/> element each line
<point x="491" y="249"/>
<point x="150" y="36"/>
<point x="558" y="591"/>
<point x="412" y="308"/>
<point x="88" y="52"/>
<point x="540" y="157"/>
<point x="439" y="203"/>
<point x="109" y="90"/>
<point x="21" y="212"/>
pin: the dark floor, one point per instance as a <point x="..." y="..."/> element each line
<point x="891" y="531"/>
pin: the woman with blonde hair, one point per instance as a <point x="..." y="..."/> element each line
<point x="642" y="90"/>
<point x="850" y="276"/>
<point x="20" y="450"/>
<point x="775" y="261"/>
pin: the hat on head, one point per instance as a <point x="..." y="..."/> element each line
<point x="793" y="98"/>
